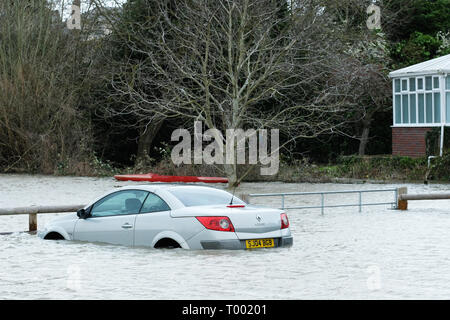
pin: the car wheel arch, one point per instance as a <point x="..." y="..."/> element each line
<point x="52" y="234"/>
<point x="172" y="236"/>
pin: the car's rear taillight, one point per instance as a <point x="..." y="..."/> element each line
<point x="284" y="221"/>
<point x="216" y="223"/>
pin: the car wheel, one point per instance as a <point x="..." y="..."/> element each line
<point x="53" y="236"/>
<point x="167" y="243"/>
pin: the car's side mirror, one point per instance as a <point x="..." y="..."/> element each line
<point x="82" y="214"/>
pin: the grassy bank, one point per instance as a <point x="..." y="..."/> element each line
<point x="384" y="168"/>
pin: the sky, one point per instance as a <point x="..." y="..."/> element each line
<point x="66" y="5"/>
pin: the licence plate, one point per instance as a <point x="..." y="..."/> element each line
<point x="259" y="243"/>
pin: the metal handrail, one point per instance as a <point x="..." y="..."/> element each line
<point x="322" y="194"/>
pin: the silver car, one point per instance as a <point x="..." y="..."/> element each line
<point x="173" y="216"/>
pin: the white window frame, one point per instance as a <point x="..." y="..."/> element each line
<point x="416" y="92"/>
<point x="444" y="95"/>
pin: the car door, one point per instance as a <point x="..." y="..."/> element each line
<point x="112" y="218"/>
<point x="153" y="218"/>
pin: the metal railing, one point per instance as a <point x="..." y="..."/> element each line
<point x="322" y="194"/>
<point x="33" y="211"/>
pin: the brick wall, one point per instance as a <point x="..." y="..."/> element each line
<point x="409" y="141"/>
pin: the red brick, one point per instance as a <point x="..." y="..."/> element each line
<point x="409" y="141"/>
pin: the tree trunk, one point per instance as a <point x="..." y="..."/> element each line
<point x="147" y="135"/>
<point x="231" y="172"/>
<point x="364" y="138"/>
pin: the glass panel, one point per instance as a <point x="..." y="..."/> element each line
<point x="412" y="84"/>
<point x="447" y="83"/>
<point x="153" y="203"/>
<point x="404" y="85"/>
<point x="420" y="84"/>
<point x="437" y="107"/>
<point x="203" y="196"/>
<point x="118" y="203"/>
<point x="412" y="108"/>
<point x="421" y="108"/>
<point x="405" y="110"/>
<point x="428" y="83"/>
<point x="397" y="85"/>
<point x="448" y="106"/>
<point x="429" y="108"/>
<point x="398" y="109"/>
<point x="436" y="83"/>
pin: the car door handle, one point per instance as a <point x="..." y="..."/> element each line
<point x="127" y="226"/>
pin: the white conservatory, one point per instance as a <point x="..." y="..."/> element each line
<point x="421" y="101"/>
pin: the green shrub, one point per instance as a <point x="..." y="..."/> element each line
<point x="440" y="167"/>
<point x="432" y="140"/>
<point x="385" y="167"/>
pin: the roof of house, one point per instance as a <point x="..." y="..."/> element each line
<point x="439" y="65"/>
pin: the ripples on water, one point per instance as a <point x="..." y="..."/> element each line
<point x="377" y="254"/>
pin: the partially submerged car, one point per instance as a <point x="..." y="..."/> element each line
<point x="173" y="216"/>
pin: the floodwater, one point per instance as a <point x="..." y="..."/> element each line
<point x="378" y="253"/>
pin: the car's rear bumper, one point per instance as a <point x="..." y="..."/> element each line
<point x="236" y="244"/>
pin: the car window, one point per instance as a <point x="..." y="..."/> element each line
<point x="118" y="203"/>
<point x="153" y="203"/>
<point x="191" y="197"/>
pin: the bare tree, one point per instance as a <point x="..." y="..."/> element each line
<point x="235" y="64"/>
<point x="361" y="75"/>
<point x="362" y="66"/>
<point x="125" y="22"/>
<point x="43" y="68"/>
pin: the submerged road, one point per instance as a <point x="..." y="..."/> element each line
<point x="343" y="254"/>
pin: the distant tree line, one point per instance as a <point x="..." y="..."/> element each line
<point x="115" y="89"/>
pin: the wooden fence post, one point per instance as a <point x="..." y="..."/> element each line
<point x="32" y="221"/>
<point x="402" y="204"/>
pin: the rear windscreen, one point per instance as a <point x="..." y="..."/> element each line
<point x="191" y="197"/>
